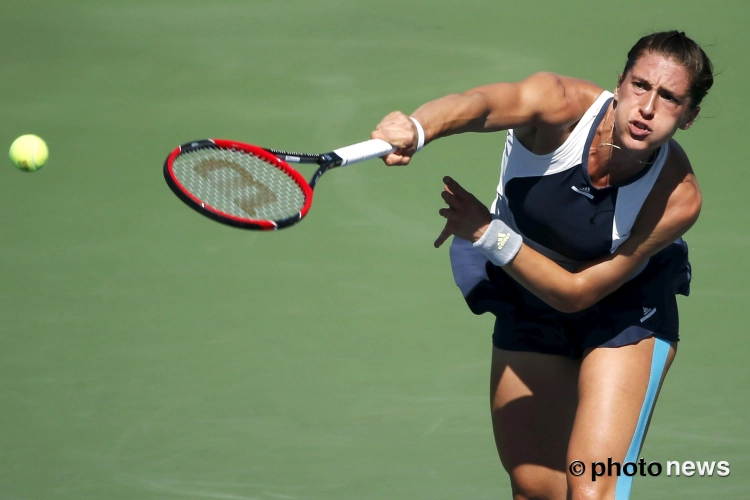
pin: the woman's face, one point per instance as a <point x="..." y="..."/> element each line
<point x="652" y="102"/>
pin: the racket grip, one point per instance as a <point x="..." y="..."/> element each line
<point x="362" y="151"/>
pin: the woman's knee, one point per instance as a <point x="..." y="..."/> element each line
<point x="534" y="482"/>
<point x="533" y="401"/>
<point x="590" y="492"/>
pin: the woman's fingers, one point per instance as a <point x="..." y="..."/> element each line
<point x="398" y="130"/>
<point x="444" y="235"/>
<point x="467" y="217"/>
<point x="394" y="159"/>
<point x="454" y="187"/>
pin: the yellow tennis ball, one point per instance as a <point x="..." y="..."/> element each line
<point x="29" y="152"/>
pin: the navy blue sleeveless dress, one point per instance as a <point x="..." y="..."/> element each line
<point x="552" y="203"/>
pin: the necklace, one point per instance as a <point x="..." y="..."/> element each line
<point x="611" y="139"/>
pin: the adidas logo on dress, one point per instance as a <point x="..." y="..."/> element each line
<point x="585" y="191"/>
<point x="647" y="313"/>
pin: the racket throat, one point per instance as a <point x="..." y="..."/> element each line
<point x="330" y="160"/>
<point x="327" y="161"/>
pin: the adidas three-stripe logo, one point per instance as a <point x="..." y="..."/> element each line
<point x="502" y="239"/>
<point x="585" y="191"/>
<point x="647" y="313"/>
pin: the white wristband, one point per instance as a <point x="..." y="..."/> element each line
<point x="420" y="133"/>
<point x="499" y="243"/>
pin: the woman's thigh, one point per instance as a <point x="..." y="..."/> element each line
<point x="533" y="400"/>
<point x="617" y="391"/>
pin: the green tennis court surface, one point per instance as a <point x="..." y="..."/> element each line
<point x="149" y="353"/>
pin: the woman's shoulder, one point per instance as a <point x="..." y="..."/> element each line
<point x="677" y="167"/>
<point x="674" y="203"/>
<point x="561" y="101"/>
<point x="566" y="99"/>
<point x="567" y="84"/>
<point x="678" y="187"/>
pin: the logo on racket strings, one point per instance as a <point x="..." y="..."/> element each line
<point x="262" y="195"/>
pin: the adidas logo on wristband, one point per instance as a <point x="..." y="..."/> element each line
<point x="502" y="239"/>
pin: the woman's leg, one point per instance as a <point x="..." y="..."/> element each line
<point x="533" y="401"/>
<point x="617" y="390"/>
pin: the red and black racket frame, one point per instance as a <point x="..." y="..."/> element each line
<point x="275" y="157"/>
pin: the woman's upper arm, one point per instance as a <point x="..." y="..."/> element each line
<point x="540" y="99"/>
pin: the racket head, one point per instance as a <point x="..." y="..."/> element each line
<point x="238" y="184"/>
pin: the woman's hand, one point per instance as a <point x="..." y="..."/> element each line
<point x="467" y="217"/>
<point x="399" y="131"/>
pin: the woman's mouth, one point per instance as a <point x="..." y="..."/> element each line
<point x="639" y="130"/>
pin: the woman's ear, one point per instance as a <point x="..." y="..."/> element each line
<point x="692" y="115"/>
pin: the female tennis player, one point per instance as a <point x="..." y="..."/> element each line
<point x="579" y="257"/>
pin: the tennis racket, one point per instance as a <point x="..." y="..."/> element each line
<point x="251" y="187"/>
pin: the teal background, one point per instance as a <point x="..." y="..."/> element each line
<point x="147" y="352"/>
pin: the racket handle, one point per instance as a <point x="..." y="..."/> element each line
<point x="374" y="148"/>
